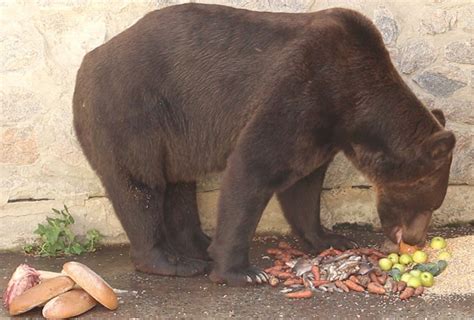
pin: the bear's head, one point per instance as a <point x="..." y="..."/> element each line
<point x="410" y="180"/>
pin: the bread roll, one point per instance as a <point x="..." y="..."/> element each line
<point x="40" y="293"/>
<point x="92" y="283"/>
<point x="69" y="304"/>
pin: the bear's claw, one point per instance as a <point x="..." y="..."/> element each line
<point x="248" y="276"/>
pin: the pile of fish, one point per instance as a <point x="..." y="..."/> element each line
<point x="332" y="271"/>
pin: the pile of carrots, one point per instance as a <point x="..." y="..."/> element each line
<point x="376" y="281"/>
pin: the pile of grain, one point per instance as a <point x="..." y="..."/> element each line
<point x="458" y="278"/>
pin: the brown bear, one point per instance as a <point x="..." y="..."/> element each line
<point x="269" y="98"/>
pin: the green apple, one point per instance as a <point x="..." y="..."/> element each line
<point x="415" y="273"/>
<point x="393" y="257"/>
<point x="427" y="279"/>
<point x="420" y="256"/>
<point x="399" y="266"/>
<point x="405" y="259"/>
<point x="445" y="255"/>
<point x="414" y="282"/>
<point x="438" y="243"/>
<point x="385" y="264"/>
<point x="405" y="277"/>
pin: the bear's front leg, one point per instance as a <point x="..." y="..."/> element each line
<point x="301" y="206"/>
<point x="242" y="200"/>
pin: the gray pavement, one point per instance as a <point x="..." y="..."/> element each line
<point x="147" y="296"/>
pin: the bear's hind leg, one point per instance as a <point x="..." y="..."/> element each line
<point x="301" y="206"/>
<point x="182" y="223"/>
<point x="139" y="208"/>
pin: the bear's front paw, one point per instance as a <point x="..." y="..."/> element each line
<point x="247" y="276"/>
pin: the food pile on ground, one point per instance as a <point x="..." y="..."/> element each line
<point x="361" y="270"/>
<point x="459" y="276"/>
<point x="63" y="295"/>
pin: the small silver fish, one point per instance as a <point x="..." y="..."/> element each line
<point x="317" y="261"/>
<point x="297" y="286"/>
<point x="355" y="258"/>
<point x="337" y="258"/>
<point x="291" y="263"/>
<point x="302" y="266"/>
<point x="307" y="282"/>
<point x="349" y="264"/>
<point x="323" y="288"/>
<point x="365" y="268"/>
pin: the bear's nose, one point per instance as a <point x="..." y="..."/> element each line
<point x="414" y="238"/>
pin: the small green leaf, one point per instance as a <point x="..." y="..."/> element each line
<point x="40" y="229"/>
<point x="77" y="249"/>
<point x="69" y="235"/>
<point x="29" y="248"/>
<point x="52" y="235"/>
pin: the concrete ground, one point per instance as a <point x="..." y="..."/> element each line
<point x="146" y="296"/>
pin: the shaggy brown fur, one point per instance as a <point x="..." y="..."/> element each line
<point x="268" y="97"/>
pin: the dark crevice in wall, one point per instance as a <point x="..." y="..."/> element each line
<point x="361" y="187"/>
<point x="352" y="187"/>
<point x="46" y="199"/>
<point x="204" y="191"/>
<point x="96" y="196"/>
<point x="28" y="200"/>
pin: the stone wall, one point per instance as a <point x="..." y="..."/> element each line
<point x="42" y="43"/>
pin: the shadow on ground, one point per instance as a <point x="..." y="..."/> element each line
<point x="146" y="296"/>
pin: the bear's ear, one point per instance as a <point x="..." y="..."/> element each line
<point x="439" y="145"/>
<point x="439" y="116"/>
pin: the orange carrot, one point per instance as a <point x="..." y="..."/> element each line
<point x="327" y="252"/>
<point x="406" y="248"/>
<point x="285" y="257"/>
<point x="275" y="268"/>
<point x="407" y="293"/>
<point x="318" y="283"/>
<point x="419" y="291"/>
<point x="377" y="253"/>
<point x="394" y="286"/>
<point x="375" y="287"/>
<point x="374" y="260"/>
<point x="401" y="286"/>
<point x="282" y="275"/>
<point x="378" y="272"/>
<point x="279" y="263"/>
<point x="274" y="251"/>
<point x="354" y="279"/>
<point x="364" y="251"/>
<point x="316" y="273"/>
<point x="303" y="294"/>
<point x="382" y="279"/>
<point x="295" y="252"/>
<point x="284" y="245"/>
<point x="373" y="277"/>
<point x="292" y="281"/>
<point x="341" y="285"/>
<point x="353" y="286"/>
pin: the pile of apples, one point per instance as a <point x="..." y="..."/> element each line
<point x="412" y="265"/>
